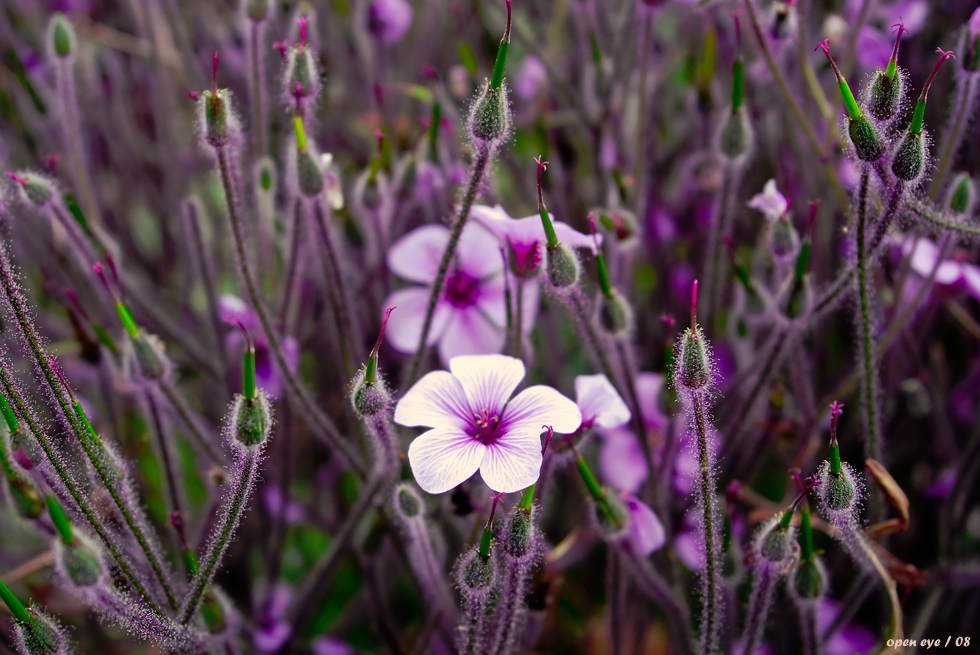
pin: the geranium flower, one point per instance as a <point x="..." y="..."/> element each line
<point x="524" y="238"/>
<point x="599" y="402"/>
<point x="476" y="424"/>
<point x="470" y="315"/>
<point x="646" y="531"/>
<point x="389" y="20"/>
<point x="232" y="309"/>
<point x="923" y="255"/>
<point x="770" y="202"/>
<point x="530" y="76"/>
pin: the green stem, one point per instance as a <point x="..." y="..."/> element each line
<point x="13" y="604"/>
<point x="325" y="427"/>
<point x="337" y="288"/>
<point x="864" y="287"/>
<point x="712" y="615"/>
<point x="73" y="490"/>
<point x="95" y="457"/>
<point x="71" y="126"/>
<point x="202" y="580"/>
<point x="476" y="177"/>
<point x="931" y="214"/>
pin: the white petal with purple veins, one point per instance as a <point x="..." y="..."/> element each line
<point x="512" y="462"/>
<point x="416" y="255"/>
<point x="405" y="327"/>
<point x="599" y="402"/>
<point x="437" y="400"/>
<point x="541" y="405"/>
<point x="444" y="458"/>
<point x="488" y="380"/>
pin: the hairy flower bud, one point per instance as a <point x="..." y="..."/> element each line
<point x="61" y="36"/>
<point x="257" y="10"/>
<point x="476" y="574"/>
<point x="735" y="137"/>
<point x="908" y="161"/>
<point x="839" y="493"/>
<point x="39" y="636"/>
<point x="35" y="189"/>
<point x="147" y="358"/>
<point x="217" y="117"/>
<point x="563" y="266"/>
<point x="302" y="79"/>
<point x="27" y="501"/>
<point x="407" y="502"/>
<point x="884" y="96"/>
<point x="251" y="420"/>
<point x="694" y="367"/>
<point x="776" y="543"/>
<point x="615" y="314"/>
<point x="784" y="240"/>
<point x="868" y="144"/>
<point x="309" y="177"/>
<point x="79" y="562"/>
<point x="961" y="194"/>
<point x="519" y="533"/>
<point x="489" y="120"/>
<point x="809" y="580"/>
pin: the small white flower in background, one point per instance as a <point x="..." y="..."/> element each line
<point x="476" y="425"/>
<point x="599" y="402"/>
<point x="770" y="202"/>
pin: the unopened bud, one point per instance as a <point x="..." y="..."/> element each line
<point x="407" y="502"/>
<point x="784" y="240"/>
<point x="35" y="189"/>
<point x="251" y="420"/>
<point x="694" y="367"/>
<point x="27" y="501"/>
<point x="885" y="96"/>
<point x="302" y="74"/>
<point x="868" y="144"/>
<point x="776" y="543"/>
<point x="148" y="356"/>
<point x="489" y="120"/>
<point x="519" y="534"/>
<point x="257" y="10"/>
<point x="61" y="36"/>
<point x="79" y="563"/>
<point x="39" y="635"/>
<point x="809" y="580"/>
<point x="735" y="138"/>
<point x="476" y="574"/>
<point x="309" y="177"/>
<point x="614" y="524"/>
<point x="216" y="117"/>
<point x="615" y="314"/>
<point x="962" y="194"/>
<point x="908" y="162"/>
<point x="370" y="395"/>
<point x="563" y="267"/>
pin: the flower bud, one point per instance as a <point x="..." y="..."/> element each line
<point x="735" y="137"/>
<point x="809" y="580"/>
<point x="406" y="501"/>
<point x="370" y="395"/>
<point x="694" y="368"/>
<point x="885" y="95"/>
<point x="309" y="177"/>
<point x="27" y="501"/>
<point x="868" y="144"/>
<point x="839" y="493"/>
<point x="78" y="562"/>
<point x="257" y="10"/>
<point x="519" y="533"/>
<point x="776" y="543"/>
<point x="615" y="314"/>
<point x="476" y="574"/>
<point x="489" y="120"/>
<point x="217" y="117"/>
<point x="251" y="420"/>
<point x="908" y="162"/>
<point x="35" y="189"/>
<point x="39" y="635"/>
<point x="302" y="77"/>
<point x="614" y="524"/>
<point x="962" y="194"/>
<point x="784" y="240"/>
<point x="563" y="267"/>
<point x="147" y="356"/>
<point x="61" y="36"/>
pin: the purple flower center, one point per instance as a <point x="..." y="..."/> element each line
<point x="485" y="427"/>
<point x="462" y="289"/>
<point x="525" y="258"/>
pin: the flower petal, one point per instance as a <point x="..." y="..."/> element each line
<point x="770" y="202"/>
<point x="405" y="327"/>
<point x="435" y="401"/>
<point x="532" y="299"/>
<point x="469" y="333"/>
<point x="621" y="460"/>
<point x="444" y="458"/>
<point x="512" y="462"/>
<point x="575" y="239"/>
<point x="416" y="255"/>
<point x="646" y="532"/>
<point x="541" y="405"/>
<point x="479" y="252"/>
<point x="488" y="380"/>
<point x="648" y="386"/>
<point x="599" y="402"/>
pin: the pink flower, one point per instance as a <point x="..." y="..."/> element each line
<point x="389" y="20"/>
<point x="923" y="255"/>
<point x="599" y="402"/>
<point x="470" y="315"/>
<point x="331" y="646"/>
<point x="232" y="308"/>
<point x="849" y="639"/>
<point x="770" y="202"/>
<point x="476" y="425"/>
<point x="646" y="532"/>
<point x="530" y="76"/>
<point x="525" y="238"/>
<point x="621" y="459"/>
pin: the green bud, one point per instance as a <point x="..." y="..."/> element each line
<point x="308" y="173"/>
<point x="151" y="363"/>
<point x="407" y="502"/>
<point x="868" y="143"/>
<point x="301" y="70"/>
<point x="962" y="194"/>
<point x="519" y="531"/>
<point x="615" y="314"/>
<point x="908" y="162"/>
<point x="252" y="419"/>
<point x="79" y="563"/>
<point x="39" y="636"/>
<point x="735" y="139"/>
<point x="217" y="118"/>
<point x="369" y="399"/>
<point x="694" y="366"/>
<point x="27" y="501"/>
<point x="489" y="120"/>
<point x="784" y="241"/>
<point x="563" y="267"/>
<point x="36" y="189"/>
<point x="809" y="579"/>
<point x="61" y="35"/>
<point x="214" y="613"/>
<point x="838" y="491"/>
<point x="777" y="544"/>
<point x="257" y="10"/>
<point x="477" y="573"/>
<point x="885" y="96"/>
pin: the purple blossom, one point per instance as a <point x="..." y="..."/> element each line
<point x="232" y="309"/>
<point x="530" y="76"/>
<point x="273" y="632"/>
<point x="331" y="646"/>
<point x="389" y="20"/>
<point x="599" y="402"/>
<point x="849" y="639"/>
<point x="770" y="202"/>
<point x="477" y="425"/>
<point x="525" y="238"/>
<point x="470" y="315"/>
<point x="923" y="255"/>
<point x="646" y="532"/>
<point x="621" y="458"/>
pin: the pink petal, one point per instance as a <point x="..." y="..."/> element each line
<point x="479" y="252"/>
<point x="532" y="299"/>
<point x="444" y="458"/>
<point x="541" y="405"/>
<point x="437" y="400"/>
<point x="646" y="532"/>
<point x="621" y="460"/>
<point x="492" y="302"/>
<point x="568" y="234"/>
<point x="469" y="333"/>
<point x="416" y="255"/>
<point x="488" y="380"/>
<point x="599" y="402"/>
<point x="971" y="275"/>
<point x="689" y="548"/>
<point x="648" y="387"/>
<point x="405" y="327"/>
<point x="529" y="78"/>
<point x="512" y="462"/>
<point x="770" y="202"/>
<point x="331" y="646"/>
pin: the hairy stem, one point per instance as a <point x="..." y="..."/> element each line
<point x="205" y="270"/>
<point x="324" y="426"/>
<point x="714" y="263"/>
<point x="260" y="130"/>
<point x="336" y="288"/>
<point x="71" y="126"/>
<point x="476" y="179"/>
<point x="652" y="584"/>
<point x="870" y="392"/>
<point x="185" y="414"/>
<point x="580" y="311"/>
<point x="755" y="620"/>
<point x="712" y="601"/>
